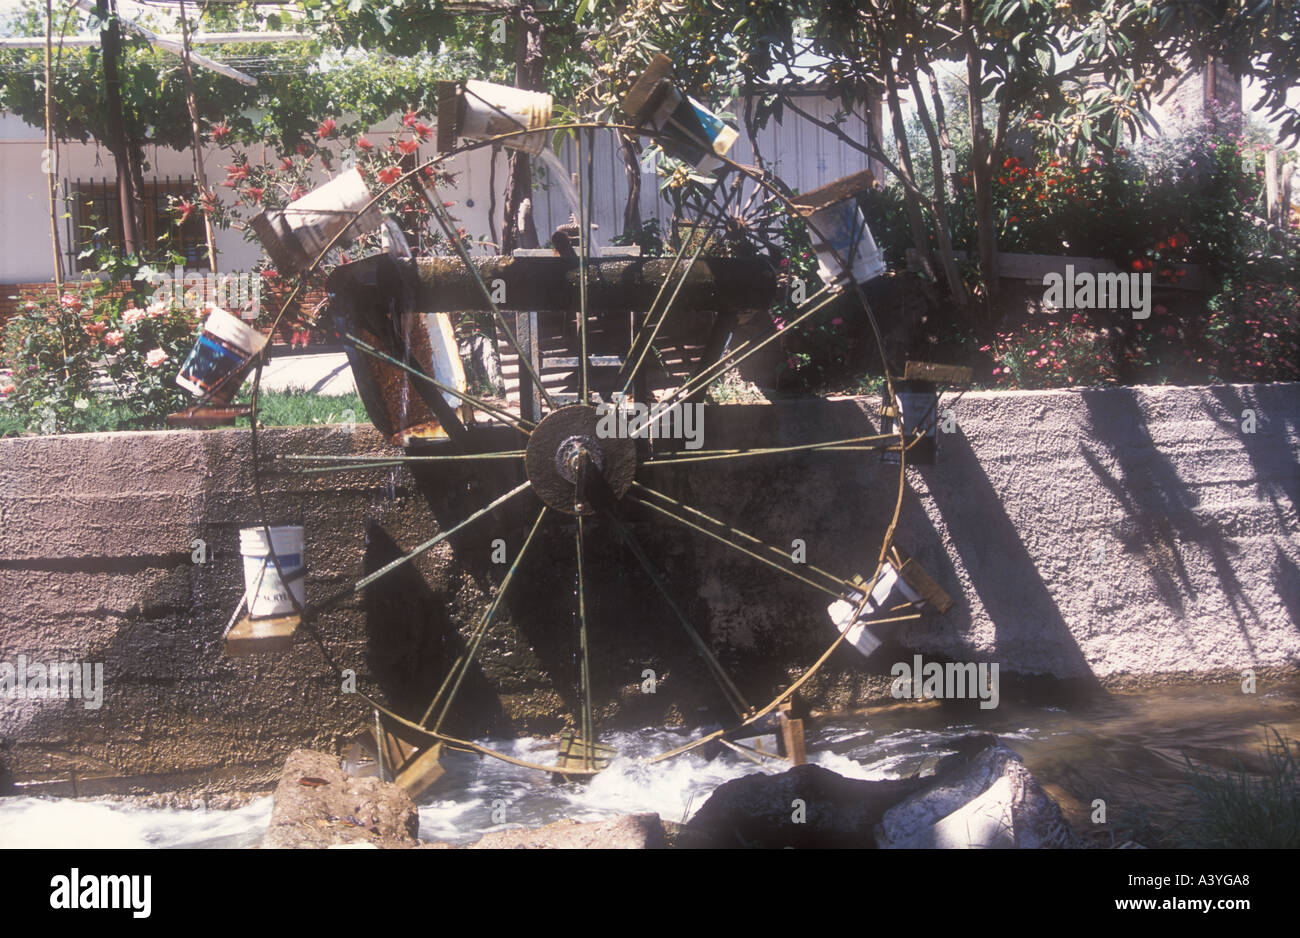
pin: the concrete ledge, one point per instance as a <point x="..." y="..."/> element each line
<point x="1095" y="536"/>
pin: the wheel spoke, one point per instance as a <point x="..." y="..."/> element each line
<point x="584" y="232"/>
<point x="434" y="541"/>
<point x="440" y="213"/>
<point x="401" y="458"/>
<point x="654" y="332"/>
<point x="732" y="359"/>
<point x="733" y="696"/>
<point x="461" y="666"/>
<point x="833" y="445"/>
<point x="588" y="731"/>
<point x="840" y="583"/>
<point x="519" y="424"/>
<point x="775" y="702"/>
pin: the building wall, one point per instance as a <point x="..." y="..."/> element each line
<point x="1095" y="537"/>
<point x="803" y="156"/>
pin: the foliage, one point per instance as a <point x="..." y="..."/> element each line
<point x="1242" y="809"/>
<point x="1052" y="355"/>
<point x="91" y="360"/>
<point x="1252" y="332"/>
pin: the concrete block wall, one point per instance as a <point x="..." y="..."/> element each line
<point x="1095" y="536"/>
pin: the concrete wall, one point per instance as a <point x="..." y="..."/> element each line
<point x="1098" y="536"/>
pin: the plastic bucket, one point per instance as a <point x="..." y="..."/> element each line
<point x="225" y="346"/>
<point x="268" y="594"/>
<point x="295" y="235"/>
<point x="840" y="233"/>
<point x="492" y="110"/>
<point x="884" y="594"/>
<point x="698" y="134"/>
<point x="918" y="408"/>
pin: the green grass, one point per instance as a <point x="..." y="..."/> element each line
<point x="286" y="409"/>
<point x="1240" y="809"/>
<point x="302" y="408"/>
<point x="10" y="424"/>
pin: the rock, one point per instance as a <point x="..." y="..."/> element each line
<point x="626" y="832"/>
<point x="980" y="797"/>
<point x="318" y="805"/>
<point x="807" y="806"/>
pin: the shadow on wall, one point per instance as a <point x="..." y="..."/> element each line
<point x="1027" y="623"/>
<point x="1277" y="470"/>
<point x="1160" y="509"/>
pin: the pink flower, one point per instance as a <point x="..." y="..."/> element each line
<point x="326" y="129"/>
<point x="155" y="358"/>
<point x="113" y="339"/>
<point x="8" y="389"/>
<point x="132" y="316"/>
<point x="70" y="300"/>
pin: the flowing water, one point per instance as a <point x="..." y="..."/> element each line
<point x="1128" y="749"/>
<point x="558" y="173"/>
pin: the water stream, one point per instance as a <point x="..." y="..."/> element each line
<point x="1127" y="749"/>
<point x="557" y="172"/>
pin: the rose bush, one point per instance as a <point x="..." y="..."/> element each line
<point x="88" y="361"/>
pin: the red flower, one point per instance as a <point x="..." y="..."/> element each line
<point x="1009" y="162"/>
<point x="220" y="132"/>
<point x="389" y="175"/>
<point x="326" y="129"/>
<point x="409" y="119"/>
<point x="408" y="146"/>
<point x="422" y="130"/>
<point x="364" y="144"/>
<point x="255" y="192"/>
<point x="186" y="209"/>
<point x="236" y="173"/>
<point x="286" y="163"/>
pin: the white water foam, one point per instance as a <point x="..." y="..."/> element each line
<point x="59" y="823"/>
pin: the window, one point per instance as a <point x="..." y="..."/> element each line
<point x="94" y="205"/>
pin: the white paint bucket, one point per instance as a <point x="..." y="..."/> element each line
<point x="267" y="593"/>
<point x="296" y="234"/>
<point x="492" y="110"/>
<point x="699" y="135"/>
<point x="223" y="347"/>
<point x="839" y="233"/>
<point x="889" y="591"/>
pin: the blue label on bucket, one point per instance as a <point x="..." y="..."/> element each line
<point x="210" y="361"/>
<point x="287" y="561"/>
<point x="711" y="122"/>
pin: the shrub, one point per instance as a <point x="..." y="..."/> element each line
<point x="87" y="361"/>
<point x="1253" y="333"/>
<point x="1052" y="355"/>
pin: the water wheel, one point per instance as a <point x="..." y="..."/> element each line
<point x="575" y="472"/>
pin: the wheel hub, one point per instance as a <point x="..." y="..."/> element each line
<point x="571" y="465"/>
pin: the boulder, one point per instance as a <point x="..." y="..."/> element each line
<point x="626" y="832"/>
<point x="318" y="805"/>
<point x="981" y="797"/>
<point x="807" y="806"/>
